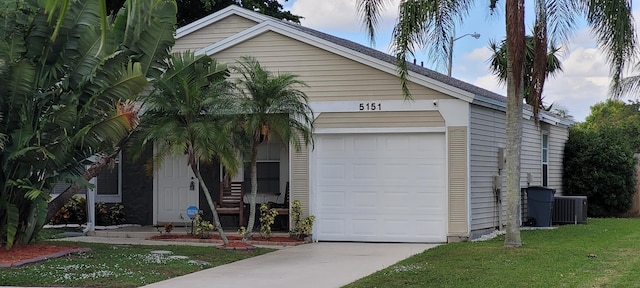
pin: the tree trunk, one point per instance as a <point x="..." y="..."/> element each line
<point x="72" y="190"/>
<point x="514" y="141"/>
<point x="515" y="58"/>
<point x="254" y="190"/>
<point x="207" y="195"/>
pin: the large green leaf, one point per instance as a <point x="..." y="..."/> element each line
<point x="36" y="219"/>
<point x="13" y="219"/>
<point x="150" y="34"/>
<point x="20" y="86"/>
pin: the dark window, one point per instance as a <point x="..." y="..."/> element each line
<point x="107" y="181"/>
<point x="268" y="177"/>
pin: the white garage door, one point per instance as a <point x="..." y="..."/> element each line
<point x="380" y="187"/>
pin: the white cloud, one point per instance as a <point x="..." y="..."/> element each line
<point x="490" y="83"/>
<point x="583" y="82"/>
<point x="478" y="54"/>
<point x="338" y="14"/>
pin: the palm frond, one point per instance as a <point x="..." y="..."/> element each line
<point x="369" y="11"/>
<point x="613" y="25"/>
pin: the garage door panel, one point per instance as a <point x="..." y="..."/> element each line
<point x="332" y="171"/>
<point x="364" y="227"/>
<point x="392" y="187"/>
<point x="364" y="199"/>
<point x="364" y="171"/>
<point x="331" y="226"/>
<point x="396" y="227"/>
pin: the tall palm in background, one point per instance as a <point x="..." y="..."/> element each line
<point x="65" y="83"/>
<point x="431" y="23"/>
<point x="273" y="107"/>
<point x="498" y="65"/>
<point x="190" y="112"/>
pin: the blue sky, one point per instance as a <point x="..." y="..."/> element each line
<point x="583" y="83"/>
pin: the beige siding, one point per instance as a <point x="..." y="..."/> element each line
<point x="299" y="189"/>
<point x="379" y="119"/>
<point x="330" y="77"/>
<point x="557" y="137"/>
<point x="212" y="33"/>
<point x="486" y="135"/>
<point x="457" y="138"/>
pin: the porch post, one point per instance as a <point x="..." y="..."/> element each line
<point x="91" y="207"/>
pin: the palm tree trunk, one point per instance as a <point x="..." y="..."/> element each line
<point x="254" y="190"/>
<point x="72" y="190"/>
<point x="515" y="59"/>
<point x="207" y="195"/>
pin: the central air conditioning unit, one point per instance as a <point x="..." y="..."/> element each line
<point x="569" y="210"/>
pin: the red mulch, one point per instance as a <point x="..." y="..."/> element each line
<point x="234" y="238"/>
<point x="22" y="254"/>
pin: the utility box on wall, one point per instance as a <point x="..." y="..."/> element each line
<point x="570" y="210"/>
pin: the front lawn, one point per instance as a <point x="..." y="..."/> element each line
<point x="119" y="265"/>
<point x="603" y="253"/>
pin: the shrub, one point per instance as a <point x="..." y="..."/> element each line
<point x="302" y="227"/>
<point x="267" y="218"/>
<point x="74" y="212"/>
<point x="106" y="215"/>
<point x="600" y="165"/>
<point x="202" y="227"/>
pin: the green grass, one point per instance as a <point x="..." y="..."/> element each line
<point x="118" y="265"/>
<point x="549" y="258"/>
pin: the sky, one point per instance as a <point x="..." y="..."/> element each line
<point x="583" y="82"/>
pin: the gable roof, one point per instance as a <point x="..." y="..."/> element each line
<point x="357" y="52"/>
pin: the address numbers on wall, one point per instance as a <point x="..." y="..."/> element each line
<point x="370" y="106"/>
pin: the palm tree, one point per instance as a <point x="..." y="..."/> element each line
<point x="144" y="31"/>
<point x="431" y="23"/>
<point x="62" y="97"/>
<point x="190" y="112"/>
<point x="273" y="106"/>
<point x="498" y="65"/>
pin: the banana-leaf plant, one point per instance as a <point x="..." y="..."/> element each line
<point x="66" y="73"/>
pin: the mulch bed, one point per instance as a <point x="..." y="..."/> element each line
<point x="25" y="254"/>
<point x="234" y="241"/>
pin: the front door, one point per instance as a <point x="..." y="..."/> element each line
<point x="177" y="189"/>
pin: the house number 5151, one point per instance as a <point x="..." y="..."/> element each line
<point x="371" y="106"/>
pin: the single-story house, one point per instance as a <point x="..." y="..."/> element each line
<point x="383" y="169"/>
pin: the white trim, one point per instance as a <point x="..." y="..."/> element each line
<point x="91" y="207"/>
<point x="156" y="177"/>
<point x="468" y="151"/>
<point x="386" y="105"/>
<point x="283" y="29"/>
<point x="390" y="130"/>
<point x="215" y="17"/>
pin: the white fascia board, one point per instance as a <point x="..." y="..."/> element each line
<point x="380" y="106"/>
<point x="215" y="17"/>
<point x="389" y="130"/>
<point x="334" y="48"/>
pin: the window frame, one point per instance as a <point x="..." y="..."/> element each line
<point x="544" y="159"/>
<point x="111" y="198"/>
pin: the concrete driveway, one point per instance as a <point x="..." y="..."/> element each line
<point x="323" y="264"/>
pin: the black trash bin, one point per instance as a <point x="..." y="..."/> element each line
<point x="540" y="205"/>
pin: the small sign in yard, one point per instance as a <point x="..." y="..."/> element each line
<point x="192" y="211"/>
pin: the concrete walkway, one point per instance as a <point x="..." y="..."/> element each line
<point x="311" y="265"/>
<point x="324" y="264"/>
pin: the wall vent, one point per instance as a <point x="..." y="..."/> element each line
<point x="569" y="210"/>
